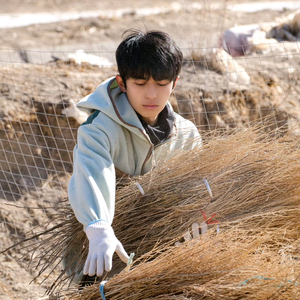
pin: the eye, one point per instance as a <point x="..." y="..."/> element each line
<point x="140" y="82"/>
<point x="163" y="83"/>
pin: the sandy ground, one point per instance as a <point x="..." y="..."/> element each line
<point x="45" y="85"/>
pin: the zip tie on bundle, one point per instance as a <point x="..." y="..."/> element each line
<point x="209" y="221"/>
<point x="140" y="188"/>
<point x="101" y="288"/>
<point x="208" y="188"/>
<point x="102" y="284"/>
<point x="130" y="260"/>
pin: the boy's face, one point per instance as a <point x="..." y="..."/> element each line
<point x="147" y="96"/>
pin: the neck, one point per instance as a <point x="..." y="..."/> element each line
<point x="151" y="121"/>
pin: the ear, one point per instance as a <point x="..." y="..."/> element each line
<point x="175" y="82"/>
<point x="121" y="83"/>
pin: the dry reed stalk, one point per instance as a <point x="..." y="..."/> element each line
<point x="248" y="171"/>
<point x="249" y="260"/>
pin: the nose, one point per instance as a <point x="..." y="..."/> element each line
<point x="151" y="92"/>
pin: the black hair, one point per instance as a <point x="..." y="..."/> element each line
<point x="151" y="54"/>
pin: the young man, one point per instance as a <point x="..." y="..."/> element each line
<point x="131" y="128"/>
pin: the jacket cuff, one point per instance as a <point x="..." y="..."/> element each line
<point x="98" y="224"/>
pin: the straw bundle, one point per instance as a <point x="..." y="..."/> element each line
<point x="249" y="173"/>
<point x="253" y="258"/>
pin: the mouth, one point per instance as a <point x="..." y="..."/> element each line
<point x="150" y="106"/>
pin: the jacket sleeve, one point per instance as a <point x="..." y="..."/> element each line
<point x="92" y="185"/>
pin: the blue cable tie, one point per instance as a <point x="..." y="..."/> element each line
<point x="102" y="284"/>
<point x="101" y="288"/>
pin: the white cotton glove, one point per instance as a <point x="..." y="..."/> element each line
<point x="195" y="233"/>
<point x="102" y="245"/>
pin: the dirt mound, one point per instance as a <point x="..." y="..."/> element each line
<point x="214" y="102"/>
<point x="36" y="138"/>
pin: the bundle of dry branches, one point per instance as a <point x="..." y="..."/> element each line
<point x="253" y="258"/>
<point x="248" y="171"/>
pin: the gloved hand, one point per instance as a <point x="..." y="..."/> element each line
<point x="102" y="245"/>
<point x="195" y="233"/>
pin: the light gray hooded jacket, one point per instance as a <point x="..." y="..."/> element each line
<point x="111" y="139"/>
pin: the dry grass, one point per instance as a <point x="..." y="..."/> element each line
<point x="251" y="175"/>
<point x="253" y="258"/>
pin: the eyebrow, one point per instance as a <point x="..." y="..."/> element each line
<point x="166" y="79"/>
<point x="143" y="78"/>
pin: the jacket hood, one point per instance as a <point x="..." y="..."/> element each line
<point x="110" y="100"/>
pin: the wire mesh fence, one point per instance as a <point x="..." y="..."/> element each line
<point x="215" y="91"/>
<point x="230" y="78"/>
<point x="39" y="121"/>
